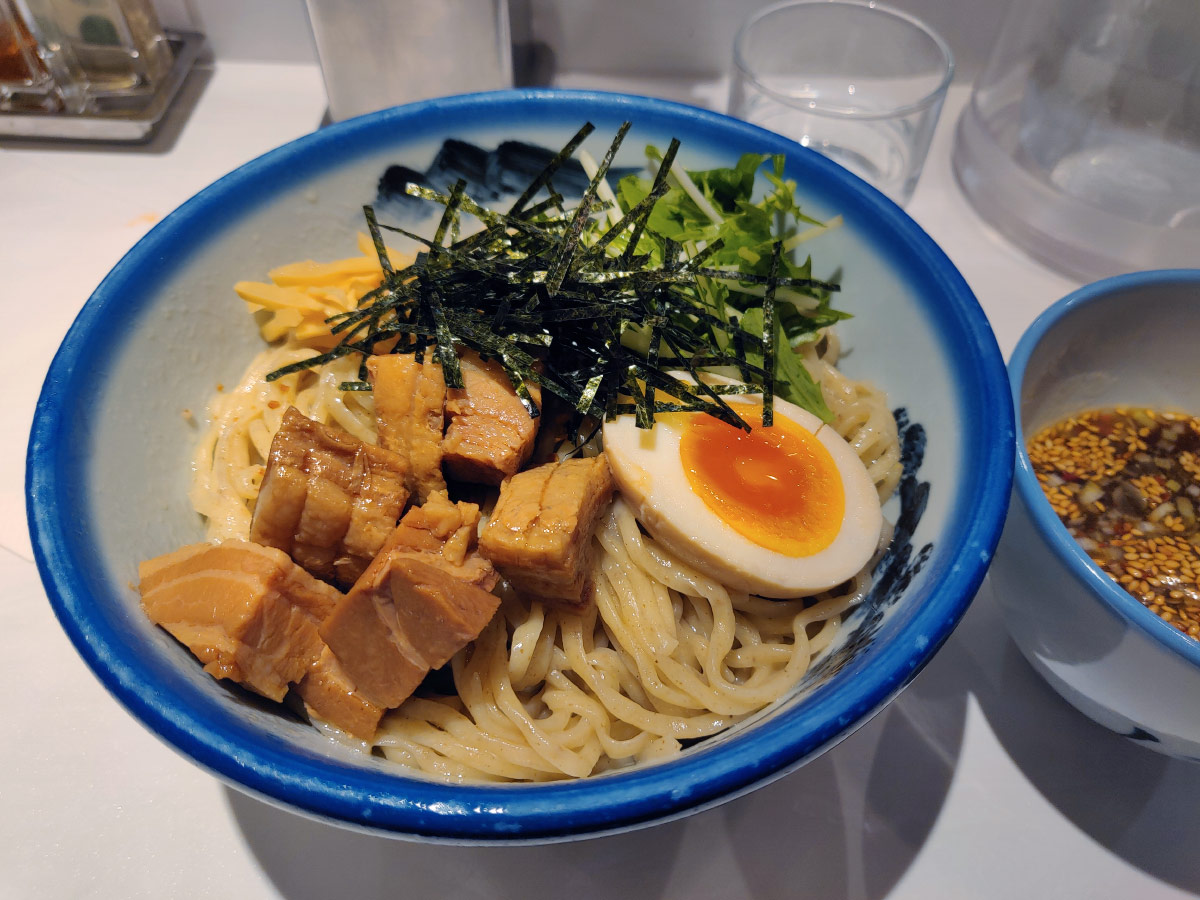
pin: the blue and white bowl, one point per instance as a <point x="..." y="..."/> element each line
<point x="1129" y="340"/>
<point x="108" y="461"/>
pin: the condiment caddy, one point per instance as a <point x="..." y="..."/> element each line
<point x="88" y="69"/>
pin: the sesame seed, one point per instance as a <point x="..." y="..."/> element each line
<point x="1106" y="455"/>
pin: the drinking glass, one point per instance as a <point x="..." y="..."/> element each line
<point x="857" y="81"/>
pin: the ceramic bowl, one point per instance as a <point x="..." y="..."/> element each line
<point x="108" y="458"/>
<point x="1129" y="340"/>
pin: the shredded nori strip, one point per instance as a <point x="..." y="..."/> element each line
<point x="543" y="179"/>
<point x="768" y="339"/>
<point x="656" y="190"/>
<point x="543" y="290"/>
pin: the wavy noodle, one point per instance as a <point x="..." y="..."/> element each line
<point x="666" y="654"/>
<point x="607" y="693"/>
<point x="230" y="457"/>
<point x="861" y="413"/>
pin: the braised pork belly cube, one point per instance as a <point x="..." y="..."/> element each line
<point x="327" y="499"/>
<point x="330" y="695"/>
<point x="540" y="533"/>
<point x="402" y="618"/>
<point x="410" y="400"/>
<point x="445" y="535"/>
<point x="490" y="433"/>
<point x="248" y="612"/>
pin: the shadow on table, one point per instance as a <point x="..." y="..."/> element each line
<point x="848" y="824"/>
<point x="1133" y="801"/>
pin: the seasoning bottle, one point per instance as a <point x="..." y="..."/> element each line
<point x="114" y="48"/>
<point x="25" y="83"/>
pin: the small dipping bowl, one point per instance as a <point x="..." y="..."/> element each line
<point x="1125" y="341"/>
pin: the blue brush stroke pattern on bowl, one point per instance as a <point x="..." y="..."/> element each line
<point x="1128" y="340"/>
<point x="108" y="457"/>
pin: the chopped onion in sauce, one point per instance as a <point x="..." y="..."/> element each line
<point x="1124" y="482"/>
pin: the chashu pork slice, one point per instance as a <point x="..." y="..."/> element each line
<point x="250" y="614"/>
<point x="410" y="400"/>
<point x="540" y="533"/>
<point x="330" y="695"/>
<point x="445" y="535"/>
<point x="490" y="433"/>
<point x="402" y="618"/>
<point x="246" y="611"/>
<point x="327" y="499"/>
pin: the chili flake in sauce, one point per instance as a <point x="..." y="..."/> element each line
<point x="1126" y="483"/>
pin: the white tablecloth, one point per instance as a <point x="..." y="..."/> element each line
<point x="977" y="782"/>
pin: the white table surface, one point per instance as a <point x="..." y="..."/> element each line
<point x="977" y="782"/>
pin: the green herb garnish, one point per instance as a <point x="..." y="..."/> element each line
<point x="599" y="303"/>
<point x="717" y="207"/>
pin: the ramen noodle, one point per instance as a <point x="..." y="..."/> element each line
<point x="665" y="655"/>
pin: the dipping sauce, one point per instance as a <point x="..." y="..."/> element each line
<point x="1126" y="483"/>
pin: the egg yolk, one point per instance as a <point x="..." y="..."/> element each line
<point x="779" y="486"/>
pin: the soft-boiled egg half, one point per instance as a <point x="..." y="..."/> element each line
<point x="785" y="511"/>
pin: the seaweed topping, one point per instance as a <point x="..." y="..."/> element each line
<point x="608" y="303"/>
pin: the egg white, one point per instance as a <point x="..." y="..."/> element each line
<point x="649" y="472"/>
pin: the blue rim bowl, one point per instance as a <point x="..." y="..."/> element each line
<point x="1048" y="525"/>
<point x="97" y="612"/>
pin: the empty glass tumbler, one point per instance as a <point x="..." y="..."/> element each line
<point x="856" y="81"/>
